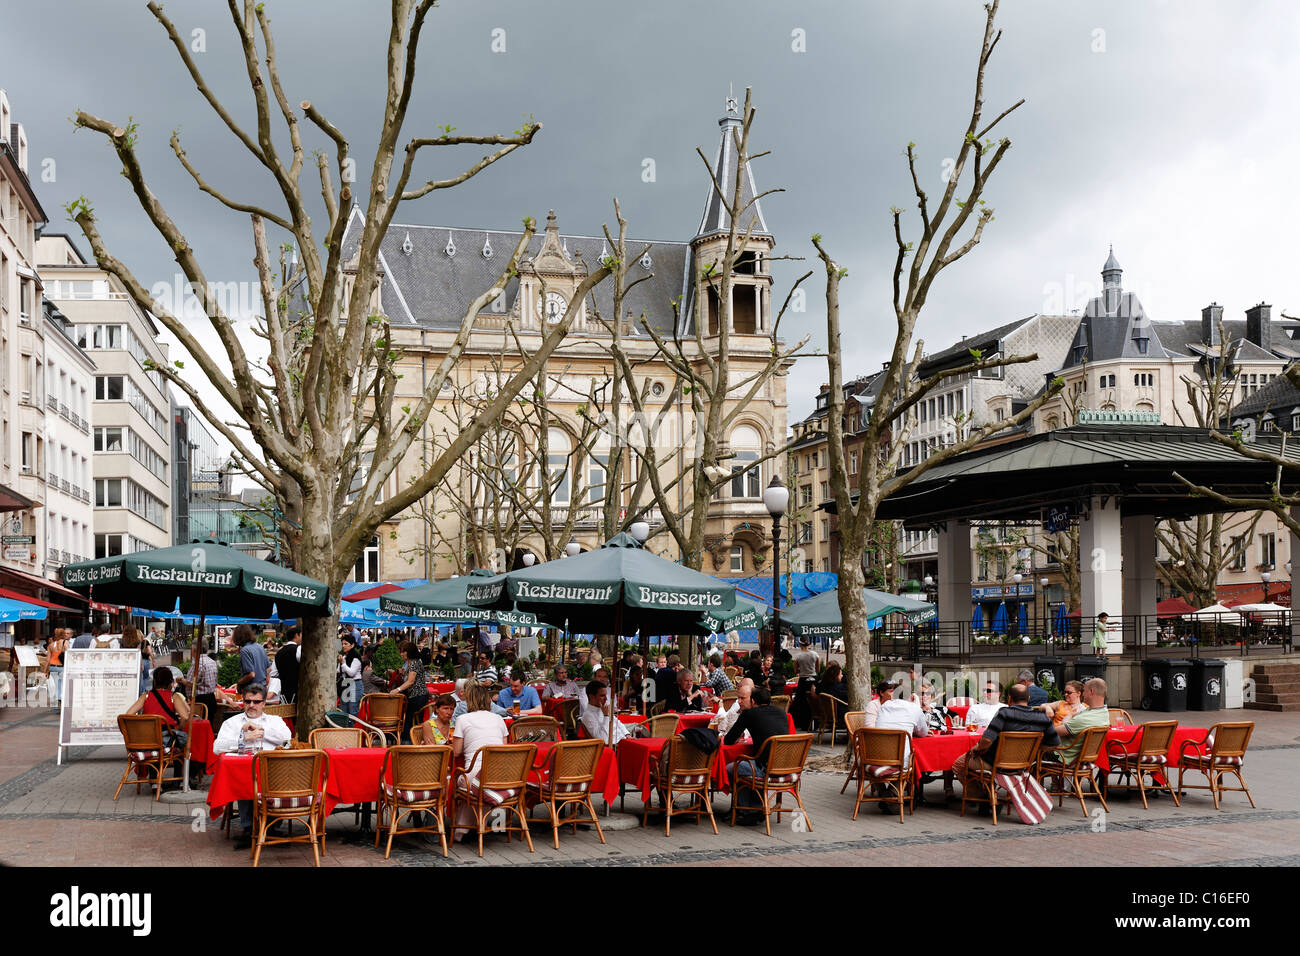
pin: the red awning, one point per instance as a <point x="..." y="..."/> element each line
<point x="11" y="500"/>
<point x="28" y="599"/>
<point x="369" y="593"/>
<point x="1174" y="607"/>
<point x="31" y="580"/>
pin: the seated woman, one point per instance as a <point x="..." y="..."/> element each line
<point x="161" y="702"/>
<point x="1062" y="710"/>
<point x="437" y="729"/>
<point x="478" y="727"/>
<point x="832" y="682"/>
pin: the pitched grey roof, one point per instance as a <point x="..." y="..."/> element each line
<point x="1185" y="338"/>
<point x="428" y="287"/>
<point x="715" y="217"/>
<point x="1112" y="264"/>
<point x="1277" y="395"/>
<point x="962" y="349"/>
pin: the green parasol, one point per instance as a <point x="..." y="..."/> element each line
<point x="747" y="613"/>
<point x="444" y="602"/>
<point x="820" y="614"/>
<point x="618" y="588"/>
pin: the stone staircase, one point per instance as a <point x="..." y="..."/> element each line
<point x="1277" y="688"/>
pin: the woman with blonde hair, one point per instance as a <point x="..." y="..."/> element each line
<point x="475" y="729"/>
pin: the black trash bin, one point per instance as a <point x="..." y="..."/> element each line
<point x="1086" y="667"/>
<point x="1205" y="684"/>
<point x="1165" y="683"/>
<point x="1049" y="672"/>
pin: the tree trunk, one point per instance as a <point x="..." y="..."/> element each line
<point x="857" y="647"/>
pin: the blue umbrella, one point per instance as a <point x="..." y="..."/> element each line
<point x="1024" y="618"/>
<point x="1000" y="619"/>
<point x="977" y="618"/>
<point x="1062" y="622"/>
<point x="12" y="610"/>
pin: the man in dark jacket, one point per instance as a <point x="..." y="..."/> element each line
<point x="762" y="720"/>
<point x="1017" y="716"/>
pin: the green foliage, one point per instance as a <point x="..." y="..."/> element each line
<point x="78" y="206"/>
<point x="387" y="657"/>
<point x="227" y="668"/>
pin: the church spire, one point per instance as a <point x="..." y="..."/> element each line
<point x="1111" y="274"/>
<point x="715" y="217"/>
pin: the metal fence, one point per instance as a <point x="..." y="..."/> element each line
<point x="1140" y="636"/>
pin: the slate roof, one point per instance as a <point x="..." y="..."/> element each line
<point x="715" y="219"/>
<point x="1185" y="339"/>
<point x="962" y="348"/>
<point x="1278" y="394"/>
<point x="427" y="287"/>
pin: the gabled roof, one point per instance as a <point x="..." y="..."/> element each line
<point x="962" y="349"/>
<point x="433" y="273"/>
<point x="1278" y="394"/>
<point x="1185" y="338"/>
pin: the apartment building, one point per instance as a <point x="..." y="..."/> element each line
<point x="130" y="404"/>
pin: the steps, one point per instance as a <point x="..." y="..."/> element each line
<point x="1277" y="688"/>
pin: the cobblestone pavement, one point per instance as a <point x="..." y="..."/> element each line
<point x="65" y="816"/>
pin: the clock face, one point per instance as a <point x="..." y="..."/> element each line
<point x="552" y="307"/>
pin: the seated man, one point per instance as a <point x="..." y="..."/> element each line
<point x="717" y="678"/>
<point x="529" y="703"/>
<point x="1037" y="695"/>
<point x="727" y="719"/>
<point x="762" y="720"/>
<point x="666" y="676"/>
<point x="462" y="707"/>
<point x="595" y="719"/>
<point x="902" y="715"/>
<point x="486" y="673"/>
<point x="562" y="687"/>
<point x="249" y="732"/>
<point x="1017" y="716"/>
<point x="683" y="695"/>
<point x="600" y="675"/>
<point x="1097" y="715"/>
<point x="982" y="713"/>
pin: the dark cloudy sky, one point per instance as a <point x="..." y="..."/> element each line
<point x="1168" y="129"/>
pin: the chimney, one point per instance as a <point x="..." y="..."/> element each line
<point x="1211" y="317"/>
<point x="1259" y="326"/>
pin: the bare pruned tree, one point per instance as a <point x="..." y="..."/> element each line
<point x="324" y="412"/>
<point x="916" y="267"/>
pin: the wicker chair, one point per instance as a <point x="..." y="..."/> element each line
<point x="533" y="730"/>
<point x="200" y="710"/>
<point x="419" y="783"/>
<point x="422" y="735"/>
<point x="569" y="771"/>
<point x="882" y="757"/>
<point x="781" y="702"/>
<point x="502" y="784"/>
<point x="569" y="712"/>
<point x="732" y="673"/>
<point x="786" y="756"/>
<point x="283" y="711"/>
<point x="1017" y="753"/>
<point x="386" y="712"/>
<point x="289" y="785"/>
<point x="1083" y="767"/>
<point x="143" y="736"/>
<point x="1151" y="759"/>
<point x="323" y="737"/>
<point x="682" y="770"/>
<point x="727" y="698"/>
<point x="826" y="709"/>
<point x="854" y="721"/>
<point x="662" y="725"/>
<point x="1227" y="743"/>
<point x="658" y="708"/>
<point x="1120" y="717"/>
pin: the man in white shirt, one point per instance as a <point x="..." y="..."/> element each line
<point x="902" y="715"/>
<point x="727" y="719"/>
<point x="595" y="719"/>
<point x="980" y="714"/>
<point x="601" y="675"/>
<point x="884" y="692"/>
<point x="255" y="730"/>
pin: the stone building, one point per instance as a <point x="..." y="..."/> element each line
<point x="431" y="274"/>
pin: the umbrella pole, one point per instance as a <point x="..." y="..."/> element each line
<point x="194" y="676"/>
<point x="613" y="670"/>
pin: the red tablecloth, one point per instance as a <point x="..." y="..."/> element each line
<point x="1128" y="736"/>
<point x="635" y="754"/>
<point x="201" y="740"/>
<point x="353" y="777"/>
<point x="694" y="720"/>
<point x="791" y="686"/>
<point x="605" y="782"/>
<point x="959" y="709"/>
<point x="441" y="687"/>
<point x="936" y="753"/>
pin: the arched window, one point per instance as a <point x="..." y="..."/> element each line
<point x="745" y="444"/>
<point x="557" y="464"/>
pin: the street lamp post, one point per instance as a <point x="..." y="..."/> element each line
<point x="775" y="497"/>
<point x="1017" y="577"/>
<point x="1265" y="577"/>
<point x="1046" y="626"/>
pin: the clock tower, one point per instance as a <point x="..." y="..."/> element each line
<point x="548" y="280"/>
